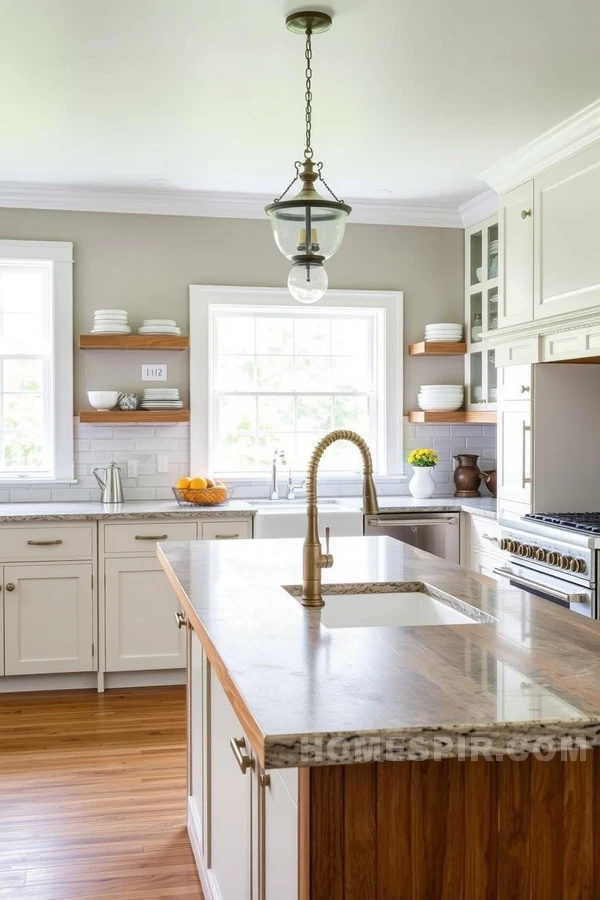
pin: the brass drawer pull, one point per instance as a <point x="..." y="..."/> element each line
<point x="238" y="746"/>
<point x="44" y="543"/>
<point x="489" y="537"/>
<point x="151" y="537"/>
<point x="10" y="586"/>
<point x="225" y="537"/>
<point x="181" y="619"/>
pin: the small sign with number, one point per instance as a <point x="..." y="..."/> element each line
<point x="154" y="372"/>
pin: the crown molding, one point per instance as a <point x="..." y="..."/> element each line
<point x="479" y="208"/>
<point x="21" y="195"/>
<point x="564" y="140"/>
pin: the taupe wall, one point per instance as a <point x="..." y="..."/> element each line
<point x="145" y="264"/>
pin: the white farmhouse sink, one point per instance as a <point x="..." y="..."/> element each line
<point x="368" y="610"/>
<point x="287" y="519"/>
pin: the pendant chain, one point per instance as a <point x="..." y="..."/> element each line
<point x="308" y="151"/>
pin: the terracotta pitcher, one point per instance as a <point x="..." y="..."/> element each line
<point x="467" y="476"/>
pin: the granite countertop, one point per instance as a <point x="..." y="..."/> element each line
<point x="134" y="509"/>
<point x="480" y="506"/>
<point x="534" y="671"/>
<point x="164" y="509"/>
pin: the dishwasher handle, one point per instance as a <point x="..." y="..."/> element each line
<point x="411" y="523"/>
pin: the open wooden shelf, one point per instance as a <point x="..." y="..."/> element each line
<point x="437" y="348"/>
<point x="115" y="416"/>
<point x="469" y="417"/>
<point x="133" y="342"/>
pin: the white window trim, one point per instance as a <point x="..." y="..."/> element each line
<point x="203" y="296"/>
<point x="60" y="253"/>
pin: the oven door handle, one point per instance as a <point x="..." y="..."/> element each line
<point x="412" y="523"/>
<point x="551" y="592"/>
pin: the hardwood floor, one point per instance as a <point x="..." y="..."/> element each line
<point x="93" y="796"/>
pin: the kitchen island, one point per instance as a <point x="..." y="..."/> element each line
<point x="385" y="762"/>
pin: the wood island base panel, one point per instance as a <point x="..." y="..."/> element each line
<point x="451" y="830"/>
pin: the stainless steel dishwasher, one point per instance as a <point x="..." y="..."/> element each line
<point x="438" y="533"/>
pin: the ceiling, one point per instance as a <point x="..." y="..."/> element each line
<point x="414" y="97"/>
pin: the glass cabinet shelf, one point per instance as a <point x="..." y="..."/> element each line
<point x="481" y="313"/>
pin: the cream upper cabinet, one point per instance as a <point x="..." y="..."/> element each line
<point x="567" y="261"/>
<point x="48" y="618"/>
<point x="140" y="607"/>
<point x="516" y="268"/>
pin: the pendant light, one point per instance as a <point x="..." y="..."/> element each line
<point x="309" y="228"/>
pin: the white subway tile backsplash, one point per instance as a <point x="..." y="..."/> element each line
<point x="112" y="445"/>
<point x="98" y="445"/>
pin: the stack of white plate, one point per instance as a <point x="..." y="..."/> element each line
<point x="441" y="397"/>
<point x="161" y="398"/>
<point x="111" y="321"/>
<point x="159" y="326"/>
<point x="441" y="332"/>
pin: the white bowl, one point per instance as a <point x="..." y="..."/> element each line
<point x="103" y="400"/>
<point x="442" y="387"/>
<point x="444" y="325"/>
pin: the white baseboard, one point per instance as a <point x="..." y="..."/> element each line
<point x="144" y="679"/>
<point x="194" y="825"/>
<point x="77" y="681"/>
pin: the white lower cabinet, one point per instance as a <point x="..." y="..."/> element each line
<point x="48" y="618"/>
<point x="140" y="607"/>
<point x="484" y="564"/>
<point x="243" y="822"/>
<point x="230" y="823"/>
<point x="482" y="536"/>
<point x="514" y="451"/>
<point x="278" y="848"/>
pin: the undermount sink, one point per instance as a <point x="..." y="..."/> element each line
<point x="408" y="604"/>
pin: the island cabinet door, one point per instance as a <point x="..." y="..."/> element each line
<point x="275" y="839"/>
<point x="48" y="619"/>
<point x="198" y="705"/>
<point x="230" y="830"/>
<point x="140" y="607"/>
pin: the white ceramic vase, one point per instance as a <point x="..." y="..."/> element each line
<point x="422" y="485"/>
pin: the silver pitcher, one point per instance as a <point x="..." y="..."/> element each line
<point x="111" y="488"/>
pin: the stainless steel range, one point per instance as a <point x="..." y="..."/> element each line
<point x="554" y="556"/>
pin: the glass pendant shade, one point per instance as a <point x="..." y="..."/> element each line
<point x="307" y="282"/>
<point x="325" y="226"/>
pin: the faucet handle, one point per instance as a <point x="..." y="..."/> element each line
<point x="327" y="558"/>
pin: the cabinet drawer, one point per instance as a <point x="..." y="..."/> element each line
<point x="518" y="353"/>
<point x="484" y="564"/>
<point x="485" y="534"/>
<point x="515" y="383"/>
<point x="221" y="529"/>
<point x="25" y="542"/>
<point x="141" y="537"/>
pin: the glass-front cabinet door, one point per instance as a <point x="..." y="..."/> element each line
<point x="481" y="313"/>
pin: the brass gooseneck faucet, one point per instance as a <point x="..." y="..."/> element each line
<point x="313" y="558"/>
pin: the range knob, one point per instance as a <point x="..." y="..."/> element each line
<point x="552" y="557"/>
<point x="564" y="561"/>
<point x="540" y="554"/>
<point x="577" y="565"/>
<point x="504" y="542"/>
<point x="524" y="550"/>
<point x="513" y="546"/>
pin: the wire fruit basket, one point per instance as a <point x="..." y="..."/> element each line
<point x="212" y="496"/>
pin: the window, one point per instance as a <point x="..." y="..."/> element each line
<point x="36" y="361"/>
<point x="279" y="376"/>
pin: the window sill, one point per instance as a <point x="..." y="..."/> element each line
<point x="256" y="479"/>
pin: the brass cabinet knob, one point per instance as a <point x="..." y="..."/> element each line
<point x="180" y="618"/>
<point x="10" y="586"/>
<point x="525" y="213"/>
